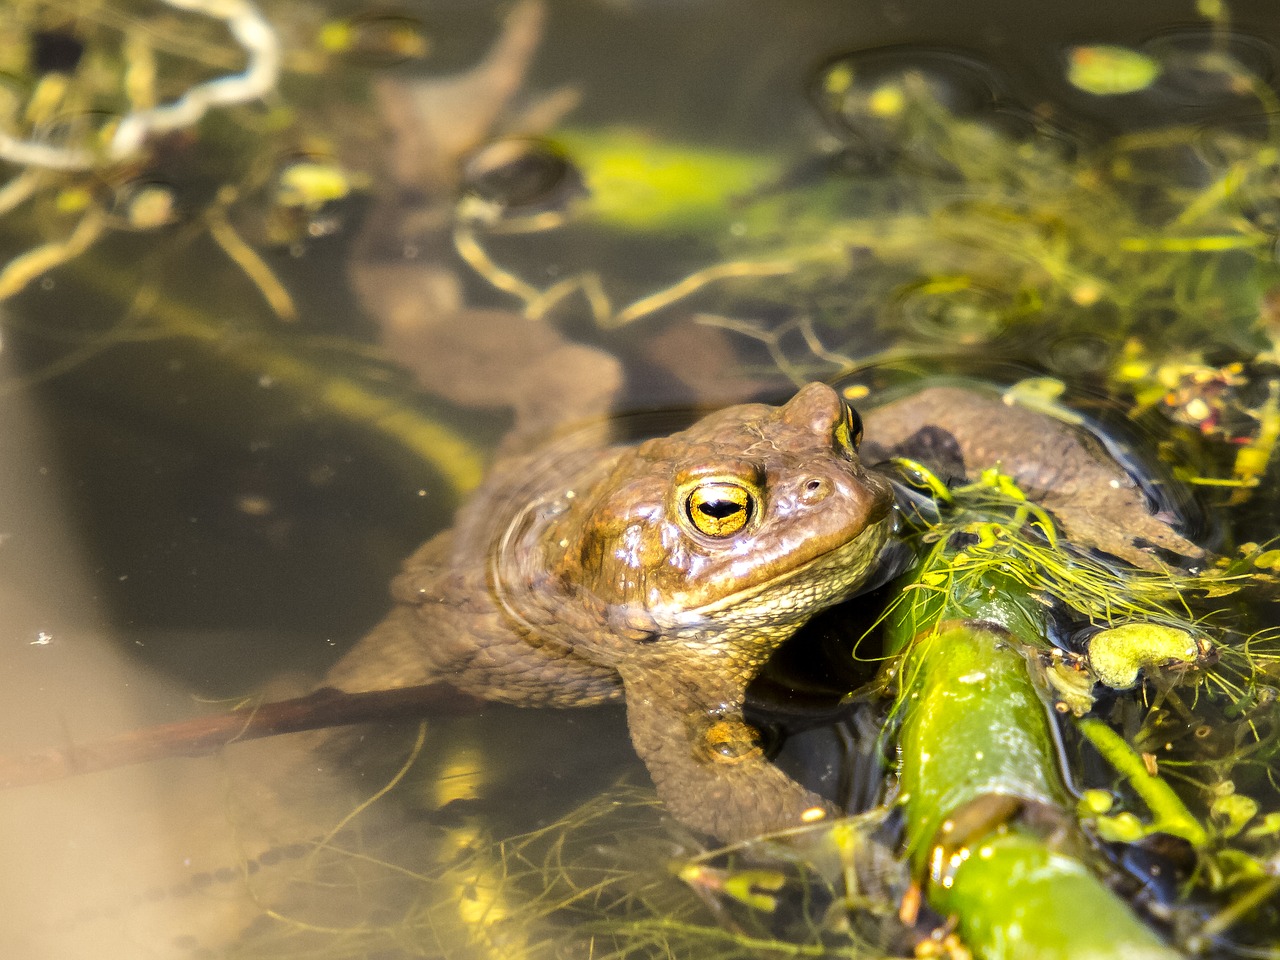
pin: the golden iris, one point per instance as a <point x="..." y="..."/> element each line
<point x="720" y="508"/>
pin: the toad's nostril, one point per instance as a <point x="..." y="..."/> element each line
<point x="815" y="489"/>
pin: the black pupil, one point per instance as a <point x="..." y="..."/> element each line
<point x="719" y="509"/>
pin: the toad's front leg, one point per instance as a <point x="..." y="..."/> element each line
<point x="707" y="761"/>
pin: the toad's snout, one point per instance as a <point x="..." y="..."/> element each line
<point x="851" y="497"/>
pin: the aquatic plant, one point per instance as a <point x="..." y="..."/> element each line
<point x="1000" y="606"/>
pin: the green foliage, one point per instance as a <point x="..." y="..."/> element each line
<point x="972" y="622"/>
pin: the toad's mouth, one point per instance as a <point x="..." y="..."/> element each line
<point x="828" y="578"/>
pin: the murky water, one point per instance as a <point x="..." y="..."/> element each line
<point x="257" y="361"/>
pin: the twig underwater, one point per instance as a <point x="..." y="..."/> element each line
<point x="201" y="736"/>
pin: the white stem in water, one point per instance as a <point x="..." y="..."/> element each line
<point x="250" y="29"/>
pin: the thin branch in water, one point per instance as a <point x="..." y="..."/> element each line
<point x="191" y="738"/>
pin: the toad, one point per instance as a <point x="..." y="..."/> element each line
<point x="667" y="572"/>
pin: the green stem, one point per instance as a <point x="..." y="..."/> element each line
<point x="975" y="743"/>
<point x="973" y="727"/>
<point x="1017" y="898"/>
<point x="1171" y="815"/>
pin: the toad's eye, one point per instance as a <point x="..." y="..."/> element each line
<point x="719" y="508"/>
<point x="849" y="430"/>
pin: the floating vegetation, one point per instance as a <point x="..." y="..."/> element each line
<point x="1123" y="238"/>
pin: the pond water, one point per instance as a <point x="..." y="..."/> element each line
<point x="250" y="363"/>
